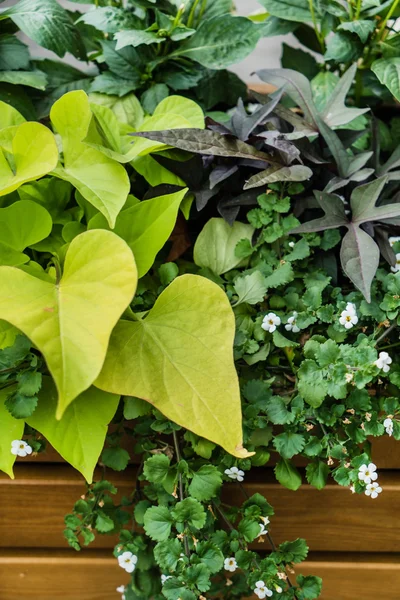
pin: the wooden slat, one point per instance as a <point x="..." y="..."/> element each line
<point x="331" y="520"/>
<point x="46" y="575"/>
<point x="385" y="453"/>
<point x="69" y="576"/>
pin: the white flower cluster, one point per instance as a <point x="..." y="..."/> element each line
<point x="388" y="425"/>
<point x="383" y="362"/>
<point x="262" y="591"/>
<point x="368" y="474"/>
<point x="235" y="473"/>
<point x="271" y="321"/>
<point x="392" y="242"/>
<point x="348" y="317"/>
<point x="127" y="561"/>
<point x="20" y="448"/>
<point x="121" y="590"/>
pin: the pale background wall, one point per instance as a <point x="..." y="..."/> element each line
<point x="267" y="52"/>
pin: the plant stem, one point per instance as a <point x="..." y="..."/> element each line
<point x="315" y="23"/>
<point x="358" y="10"/>
<point x="269" y="537"/>
<point x="181" y="494"/>
<point x="387" y="18"/>
<point x="386" y="333"/>
<point x="191" y="16"/>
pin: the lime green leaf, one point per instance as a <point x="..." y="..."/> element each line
<point x="288" y="475"/>
<point x="127" y="109"/>
<point x="10" y="429"/>
<point x="158" y="522"/>
<point x="101" y="181"/>
<point x="146" y="227"/>
<point x="34" y="152"/>
<point x="205" y="483"/>
<point x="178" y="105"/>
<point x="23" y="224"/>
<point x="9" y="116"/>
<point x="215" y="246"/>
<point x="79" y="436"/>
<point x="71" y="322"/>
<point x="179" y="358"/>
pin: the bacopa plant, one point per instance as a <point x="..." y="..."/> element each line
<point x="208" y="292"/>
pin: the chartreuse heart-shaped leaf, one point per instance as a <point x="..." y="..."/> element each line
<point x="179" y="358"/>
<point x="79" y="435"/>
<point x="70" y="321"/>
<point x="9" y="116"/>
<point x="215" y="246"/>
<point x="145" y="227"/>
<point x="21" y="224"/>
<point x="101" y="181"/>
<point x="34" y="154"/>
<point x="10" y="429"/>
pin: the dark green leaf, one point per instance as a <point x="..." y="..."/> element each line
<point x="158" y="522"/>
<point x="13" y="53"/>
<point x="287" y="474"/>
<point x="317" y="474"/>
<point x="295" y="58"/>
<point x="206" y="483"/>
<point x="115" y="458"/>
<point x="289" y="444"/>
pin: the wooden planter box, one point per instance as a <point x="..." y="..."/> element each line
<point x="354" y="541"/>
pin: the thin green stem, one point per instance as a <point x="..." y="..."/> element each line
<point x="358" y="10"/>
<point x="387" y="18"/>
<point x="181" y="494"/>
<point x="192" y="13"/>
<point x="315" y="23"/>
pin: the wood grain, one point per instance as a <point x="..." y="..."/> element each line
<point x="331" y="520"/>
<point x="94" y="575"/>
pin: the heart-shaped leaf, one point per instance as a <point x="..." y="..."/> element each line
<point x="10" y="429"/>
<point x="24" y="223"/>
<point x="79" y="435"/>
<point x="102" y="181"/>
<point x="70" y="321"/>
<point x="145" y="227"/>
<point x="180" y="358"/>
<point x="215" y="246"/>
<point x="35" y="154"/>
<point x="9" y="116"/>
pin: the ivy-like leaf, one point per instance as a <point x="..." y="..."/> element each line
<point x="179" y="358"/>
<point x="10" y="429"/>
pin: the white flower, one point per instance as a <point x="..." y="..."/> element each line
<point x="348" y="318"/>
<point x="165" y="578"/>
<point x="373" y="489"/>
<point x="121" y="589"/>
<point x="278" y="589"/>
<point x="291" y="324"/>
<point x="388" y="425"/>
<point x="230" y="564"/>
<point x="351" y="308"/>
<point x="397" y="265"/>
<point x="20" y="448"/>
<point x="262" y="591"/>
<point x="263" y="530"/>
<point x="383" y="361"/>
<point x="393" y="240"/>
<point x="270" y="322"/>
<point x="349" y="377"/>
<point x="235" y="473"/>
<point x="367" y="473"/>
<point x="127" y="561"/>
<point x="292" y="244"/>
